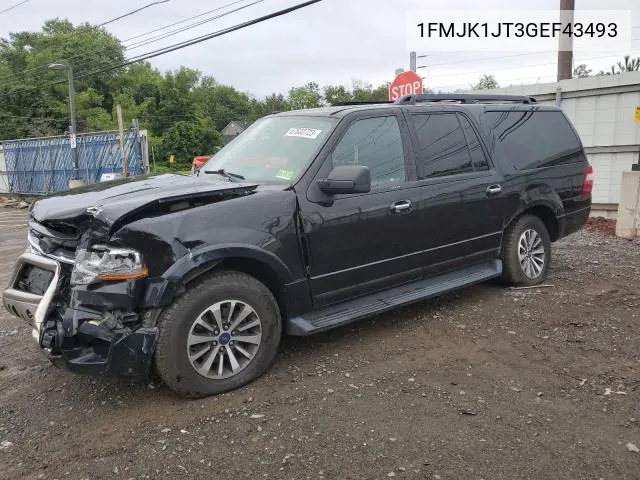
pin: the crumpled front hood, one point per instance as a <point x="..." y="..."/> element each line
<point x="116" y="199"/>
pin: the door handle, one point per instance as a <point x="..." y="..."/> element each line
<point x="494" y="189"/>
<point x="401" y="206"/>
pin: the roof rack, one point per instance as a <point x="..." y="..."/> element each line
<point x="463" y="98"/>
<point x="346" y="104"/>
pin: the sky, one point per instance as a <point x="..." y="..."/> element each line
<point x="332" y="42"/>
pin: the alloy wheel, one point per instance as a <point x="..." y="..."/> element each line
<point x="531" y="254"/>
<point x="224" y="339"/>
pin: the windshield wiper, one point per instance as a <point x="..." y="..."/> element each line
<point x="231" y="176"/>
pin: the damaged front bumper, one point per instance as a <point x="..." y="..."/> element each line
<point x="102" y="338"/>
<point x="124" y="353"/>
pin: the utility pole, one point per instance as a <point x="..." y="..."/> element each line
<point x="565" y="43"/>
<point x="121" y="135"/>
<point x="412" y="61"/>
<point x="75" y="178"/>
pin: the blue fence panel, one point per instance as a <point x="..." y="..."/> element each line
<point x="44" y="165"/>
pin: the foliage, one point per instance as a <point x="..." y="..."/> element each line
<point x="276" y="102"/>
<point x="307" y="96"/>
<point x="337" y="94"/>
<point x="172" y="168"/>
<point x="183" y="110"/>
<point x="186" y="139"/>
<point x="90" y="114"/>
<point x="582" y="71"/>
<point x="486" y="82"/>
<point x="23" y="75"/>
<point x="628" y="64"/>
<point x="221" y="103"/>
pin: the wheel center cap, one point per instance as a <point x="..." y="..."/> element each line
<point x="224" y="338"/>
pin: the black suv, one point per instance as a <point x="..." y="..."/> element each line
<point x="308" y="220"/>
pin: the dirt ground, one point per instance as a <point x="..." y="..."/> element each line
<point x="485" y="383"/>
<point x="602" y="226"/>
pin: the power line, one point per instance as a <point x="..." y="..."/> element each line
<point x="188" y="43"/>
<point x="550" y="53"/>
<point x="177" y="46"/>
<point x="182" y="21"/>
<point x="66" y="120"/>
<point x="188" y="27"/>
<point x="14" y="6"/>
<point x="512" y="68"/>
<point x="87" y="54"/>
<point x="536" y="79"/>
<point x="132" y="12"/>
<point x="47" y="119"/>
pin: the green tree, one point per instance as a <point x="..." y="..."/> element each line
<point x="187" y="139"/>
<point x="221" y="103"/>
<point x="272" y="103"/>
<point x="381" y="93"/>
<point x="24" y="57"/>
<point x="307" y="96"/>
<point x="360" y="92"/>
<point x="628" y="64"/>
<point x="336" y="94"/>
<point x="174" y="100"/>
<point x="582" y="71"/>
<point x="90" y="115"/>
<point x="486" y="82"/>
<point x="136" y="88"/>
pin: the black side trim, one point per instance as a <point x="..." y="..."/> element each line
<point x="420" y="252"/>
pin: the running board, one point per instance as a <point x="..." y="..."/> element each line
<point x="352" y="310"/>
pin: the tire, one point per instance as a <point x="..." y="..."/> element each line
<point x="220" y="298"/>
<point x="532" y="269"/>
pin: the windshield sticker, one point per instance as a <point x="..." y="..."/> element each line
<point x="303" y="132"/>
<point x="285" y="174"/>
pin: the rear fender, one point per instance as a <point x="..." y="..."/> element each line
<point x="538" y="195"/>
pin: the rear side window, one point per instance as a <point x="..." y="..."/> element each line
<point x="442" y="147"/>
<point x="535" y="139"/>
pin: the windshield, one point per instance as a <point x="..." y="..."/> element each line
<point x="273" y="149"/>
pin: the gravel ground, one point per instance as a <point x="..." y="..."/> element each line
<point x="602" y="226"/>
<point x="485" y="383"/>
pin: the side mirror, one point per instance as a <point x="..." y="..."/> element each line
<point x="346" y="179"/>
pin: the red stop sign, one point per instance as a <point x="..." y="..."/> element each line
<point x="407" y="83"/>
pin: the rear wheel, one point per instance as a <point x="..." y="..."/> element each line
<point x="223" y="333"/>
<point x="526" y="252"/>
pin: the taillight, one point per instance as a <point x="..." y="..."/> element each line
<point x="587" y="184"/>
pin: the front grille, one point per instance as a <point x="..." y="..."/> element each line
<point x="53" y="243"/>
<point x="63" y="228"/>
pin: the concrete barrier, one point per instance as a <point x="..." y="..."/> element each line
<point x="628" y="219"/>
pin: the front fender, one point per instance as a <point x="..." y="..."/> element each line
<point x="163" y="290"/>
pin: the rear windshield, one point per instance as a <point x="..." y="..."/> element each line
<point x="535" y="139"/>
<point x="273" y="149"/>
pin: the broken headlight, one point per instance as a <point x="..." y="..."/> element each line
<point x="103" y="263"/>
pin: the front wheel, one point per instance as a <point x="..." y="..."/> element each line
<point x="526" y="251"/>
<point x="222" y="334"/>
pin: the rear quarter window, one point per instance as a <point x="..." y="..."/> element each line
<point x="535" y="139"/>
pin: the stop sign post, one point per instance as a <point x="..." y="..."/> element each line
<point x="406" y="83"/>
